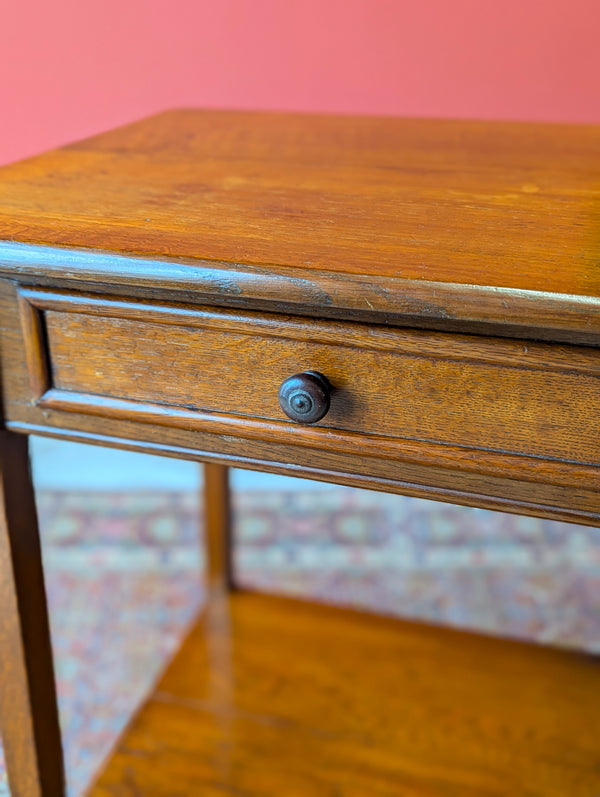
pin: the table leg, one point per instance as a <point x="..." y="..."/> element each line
<point x="217" y="526"/>
<point x="28" y="708"/>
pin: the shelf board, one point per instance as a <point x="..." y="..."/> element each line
<point x="273" y="696"/>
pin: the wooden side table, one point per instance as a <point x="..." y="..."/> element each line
<point x="411" y="306"/>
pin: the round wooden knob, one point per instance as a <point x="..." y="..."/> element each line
<point x="305" y="397"/>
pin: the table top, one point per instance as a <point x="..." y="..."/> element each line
<point x="160" y="282"/>
<point x="417" y="216"/>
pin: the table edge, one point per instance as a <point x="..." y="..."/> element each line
<point x="481" y="309"/>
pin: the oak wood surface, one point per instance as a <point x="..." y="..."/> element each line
<point x="479" y="393"/>
<point x="270" y="696"/>
<point x="532" y="485"/>
<point x="498" y="205"/>
<point x="28" y="710"/>
<point x="217" y="529"/>
<point x="461" y="227"/>
<point x="475" y="309"/>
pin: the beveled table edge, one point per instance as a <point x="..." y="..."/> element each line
<point x="479" y="309"/>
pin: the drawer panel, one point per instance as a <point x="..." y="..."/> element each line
<point x="397" y="386"/>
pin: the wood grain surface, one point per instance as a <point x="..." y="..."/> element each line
<point x="474" y="392"/>
<point x="270" y="696"/>
<point x="481" y="476"/>
<point x="528" y="485"/>
<point x="28" y="709"/>
<point x="218" y="530"/>
<point x="475" y="309"/>
<point x="221" y="242"/>
<point x="503" y="205"/>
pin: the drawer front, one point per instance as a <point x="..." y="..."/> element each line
<point x="395" y="391"/>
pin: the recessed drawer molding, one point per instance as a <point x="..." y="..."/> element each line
<point x="476" y="403"/>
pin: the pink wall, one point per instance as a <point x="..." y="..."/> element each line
<point x="69" y="68"/>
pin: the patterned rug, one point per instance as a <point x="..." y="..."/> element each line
<point x="123" y="578"/>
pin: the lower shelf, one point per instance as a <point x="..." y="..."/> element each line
<point x="271" y="696"/>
